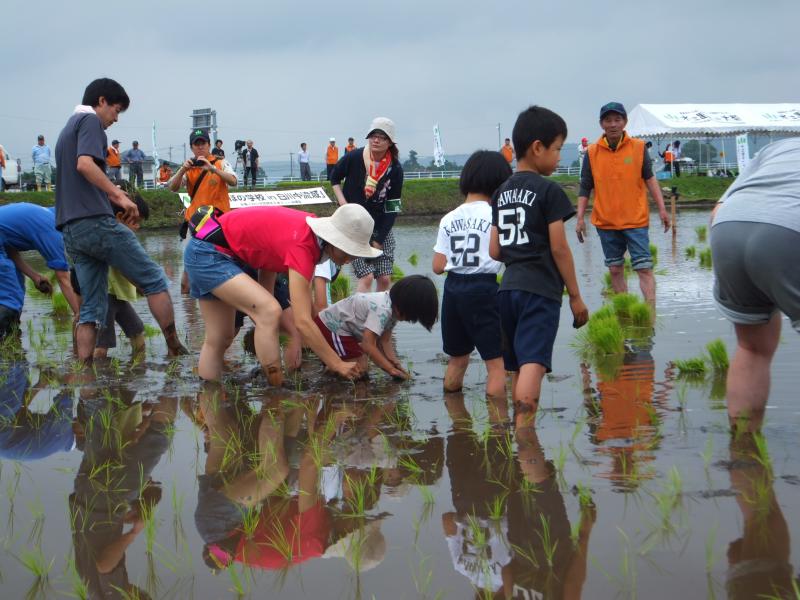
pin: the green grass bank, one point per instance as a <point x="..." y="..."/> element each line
<point x="421" y="197"/>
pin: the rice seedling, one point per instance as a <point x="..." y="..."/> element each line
<point x="497" y="506"/>
<point x="151" y="330"/>
<point x="690" y="251"/>
<point x="427" y="495"/>
<point x="718" y="355"/>
<point x="691" y="367"/>
<point x="708" y="452"/>
<point x="549" y="546"/>
<point x="654" y="253"/>
<point x="702" y="232"/>
<point x="413" y="259"/>
<point x="36" y="509"/>
<point x="397" y="273"/>
<point x="603" y="334"/>
<point x="711" y="555"/>
<point x="340" y="288"/>
<point x="705" y="258"/>
<point x="641" y="314"/>
<point x="35" y="562"/>
<point x="60" y="305"/>
<point x="622" y="304"/>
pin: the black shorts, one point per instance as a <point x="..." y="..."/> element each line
<point x="470" y="316"/>
<point x="281" y="295"/>
<point x="530" y="325"/>
<point x="119" y="311"/>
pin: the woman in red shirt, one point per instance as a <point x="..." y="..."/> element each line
<point x="272" y="239"/>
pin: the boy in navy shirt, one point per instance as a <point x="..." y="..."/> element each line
<point x="528" y="236"/>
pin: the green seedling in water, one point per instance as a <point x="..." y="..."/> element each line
<point x="691" y="367"/>
<point x="654" y="254"/>
<point x="603" y="334"/>
<point x="690" y="251"/>
<point x="151" y="330"/>
<point x="718" y="355"/>
<point x="340" y="288"/>
<point x="397" y="273"/>
<point x="36" y="563"/>
<point x="711" y="555"/>
<point x="413" y="259"/>
<point x="622" y="304"/>
<point x="497" y="506"/>
<point x="608" y="288"/>
<point x="549" y="545"/>
<point x="60" y="305"/>
<point x="708" y="452"/>
<point x="701" y="231"/>
<point x="705" y="258"/>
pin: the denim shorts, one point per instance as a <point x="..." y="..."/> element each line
<point x="96" y="243"/>
<point x="208" y="268"/>
<point x="636" y="241"/>
<point x="530" y="325"/>
<point x="470" y="317"/>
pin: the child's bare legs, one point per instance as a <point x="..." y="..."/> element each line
<point x="527" y="386"/>
<point x="365" y="284"/>
<point x="454" y="375"/>
<point x="100" y="353"/>
<point x="495" y="378"/>
<point x="384" y="283"/>
<point x="137" y="344"/>
<point x="748" y="375"/>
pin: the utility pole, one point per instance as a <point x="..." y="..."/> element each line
<point x="170" y="154"/>
<point x="184" y="151"/>
<point x="291" y="165"/>
<point x="499" y="143"/>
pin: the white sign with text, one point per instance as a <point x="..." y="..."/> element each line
<point x="272" y="198"/>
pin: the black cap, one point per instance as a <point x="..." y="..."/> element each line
<point x="135" y="143"/>
<point x="198" y="134"/>
<point x="613" y="107"/>
<point x="41" y="137"/>
<point x="114" y="142"/>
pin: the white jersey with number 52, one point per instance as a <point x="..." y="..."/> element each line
<point x="464" y="239"/>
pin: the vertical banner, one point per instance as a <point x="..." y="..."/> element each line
<point x="155" y="158"/>
<point x="742" y="151"/>
<point x="438" y="153"/>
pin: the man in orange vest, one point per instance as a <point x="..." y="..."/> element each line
<point x="507" y="150"/>
<point x="206" y="176"/>
<point x="619" y="171"/>
<point x="113" y="162"/>
<point x="331" y="156"/>
<point x="351" y="145"/>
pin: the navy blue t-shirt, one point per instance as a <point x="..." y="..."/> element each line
<point x="522" y="210"/>
<point x="76" y="198"/>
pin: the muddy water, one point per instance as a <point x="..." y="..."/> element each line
<point x="329" y="490"/>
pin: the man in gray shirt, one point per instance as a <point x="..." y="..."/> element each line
<point x="93" y="237"/>
<point x="755" y="236"/>
<point x="135" y="158"/>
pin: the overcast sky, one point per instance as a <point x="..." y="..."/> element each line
<point x="282" y="73"/>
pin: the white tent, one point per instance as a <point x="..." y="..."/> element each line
<point x="711" y="120"/>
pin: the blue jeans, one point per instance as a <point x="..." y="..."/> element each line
<point x="96" y="243"/>
<point x="636" y="241"/>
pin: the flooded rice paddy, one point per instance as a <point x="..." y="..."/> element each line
<point x="137" y="483"/>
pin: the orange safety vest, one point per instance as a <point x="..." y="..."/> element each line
<point x="112" y="157"/>
<point x="507" y="152"/>
<point x="620" y="194"/>
<point x="349" y="148"/>
<point x="332" y="155"/>
<point x="212" y="190"/>
<point x="668" y="156"/>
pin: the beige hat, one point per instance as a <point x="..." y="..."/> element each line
<point x="349" y="229"/>
<point x="386" y="125"/>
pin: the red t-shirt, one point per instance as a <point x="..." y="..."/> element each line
<point x="286" y="537"/>
<point x="273" y="238"/>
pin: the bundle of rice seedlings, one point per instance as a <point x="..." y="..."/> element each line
<point x="718" y="355"/>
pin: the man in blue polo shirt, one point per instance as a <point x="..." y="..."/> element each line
<point x="135" y="158"/>
<point x="41" y="164"/>
<point x="23" y="227"/>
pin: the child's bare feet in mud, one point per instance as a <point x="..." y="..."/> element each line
<point x="274" y="374"/>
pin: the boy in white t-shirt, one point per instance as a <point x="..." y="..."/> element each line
<point x="470" y="316"/>
<point x="360" y="326"/>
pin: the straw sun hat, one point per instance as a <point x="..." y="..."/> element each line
<point x="349" y="229"/>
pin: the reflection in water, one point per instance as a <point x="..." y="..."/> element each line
<point x="758" y="562"/>
<point x="624" y="423"/>
<point x="300" y="479"/>
<point x="509" y="533"/>
<point x="122" y="441"/>
<point x="27" y="435"/>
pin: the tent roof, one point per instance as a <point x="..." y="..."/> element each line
<point x="649" y="120"/>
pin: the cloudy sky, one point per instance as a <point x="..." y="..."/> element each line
<point x="287" y="72"/>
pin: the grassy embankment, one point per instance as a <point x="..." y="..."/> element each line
<point x="421" y="197"/>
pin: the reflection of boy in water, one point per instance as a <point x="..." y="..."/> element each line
<point x="25" y="435"/>
<point x="125" y="450"/>
<point x="622" y="408"/>
<point x="478" y="544"/>
<point x="758" y="562"/>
